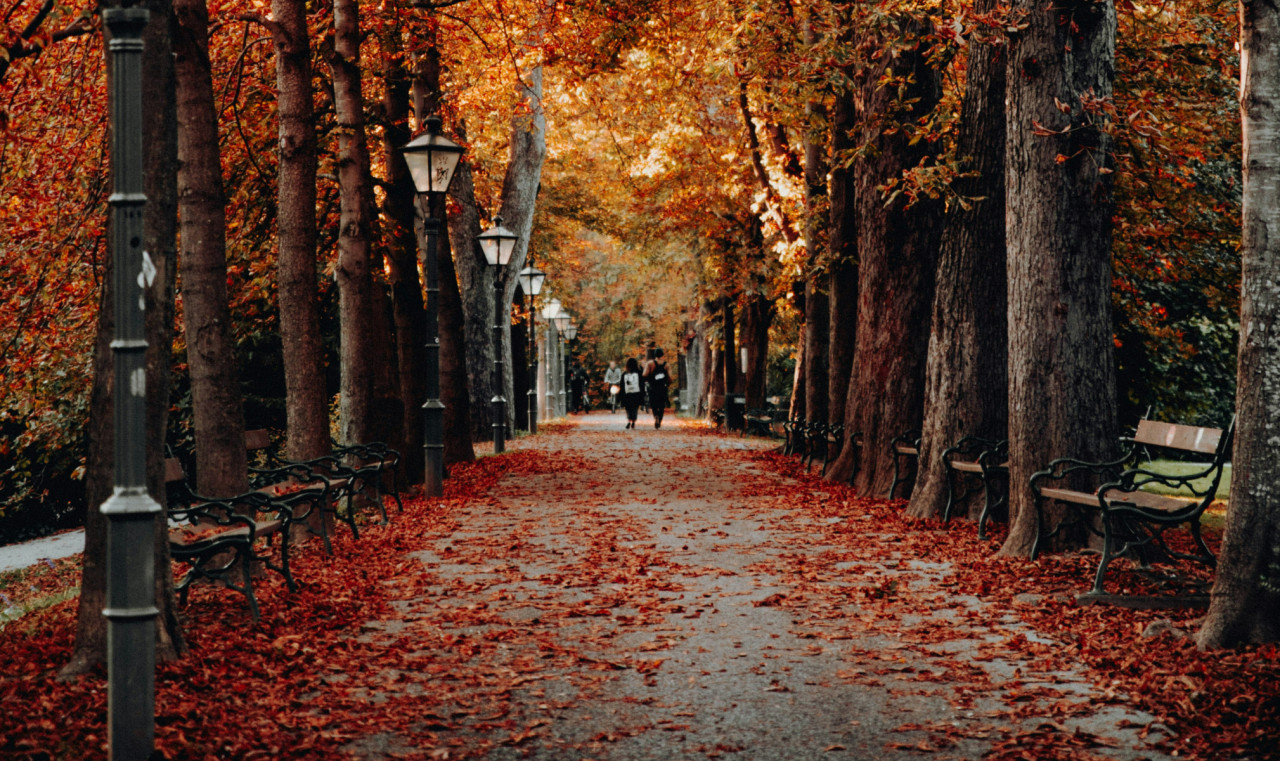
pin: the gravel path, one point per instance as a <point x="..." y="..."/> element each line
<point x="657" y="599"/>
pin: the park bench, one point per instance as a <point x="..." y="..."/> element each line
<point x="905" y="451"/>
<point x="976" y="462"/>
<point x="349" y="471"/>
<point x="220" y="538"/>
<point x="1133" y="520"/>
<point x="794" y="431"/>
<point x="760" y="421"/>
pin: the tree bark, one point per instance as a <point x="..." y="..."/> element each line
<point x="1062" y="397"/>
<point x="842" y="280"/>
<point x="519" y="197"/>
<point x="475" y="287"/>
<point x="1245" y="603"/>
<point x="218" y="410"/>
<point x="306" y="395"/>
<point x="730" y="355"/>
<point x="898" y="249"/>
<point x="357" y="299"/>
<point x="757" y="317"/>
<point x="842" y="299"/>
<point x="160" y="228"/>
<point x="966" y="390"/>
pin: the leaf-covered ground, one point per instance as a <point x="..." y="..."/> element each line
<point x="598" y="593"/>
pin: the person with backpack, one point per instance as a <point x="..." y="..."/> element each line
<point x="658" y="379"/>
<point x="631" y="391"/>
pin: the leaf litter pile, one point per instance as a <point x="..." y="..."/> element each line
<point x="606" y="594"/>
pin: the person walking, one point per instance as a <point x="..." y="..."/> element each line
<point x="631" y="391"/>
<point x="658" y="380"/>
<point x="578" y="387"/>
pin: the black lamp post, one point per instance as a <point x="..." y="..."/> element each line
<point x="531" y="279"/>
<point x="432" y="159"/>
<point x="570" y="333"/>
<point x="130" y="511"/>
<point x="549" y="313"/>
<point x="562" y="326"/>
<point x="498" y="243"/>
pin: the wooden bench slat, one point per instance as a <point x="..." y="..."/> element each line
<point x="1192" y="438"/>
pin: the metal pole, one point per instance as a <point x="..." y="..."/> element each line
<point x="130" y="511"/>
<point x="533" y="371"/>
<point x="548" y="342"/>
<point x="499" y="401"/>
<point x="433" y="408"/>
<point x="564" y="376"/>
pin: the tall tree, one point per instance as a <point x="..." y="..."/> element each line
<point x="217" y="406"/>
<point x="842" y="278"/>
<point x="1058" y="162"/>
<point x="358" y="299"/>
<point x="306" y="397"/>
<point x="966" y="391"/>
<point x="160" y="228"/>
<point x="1245" y="604"/>
<point x="897" y="248"/>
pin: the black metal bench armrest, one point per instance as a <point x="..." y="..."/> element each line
<point x="969" y="448"/>
<point x="1064" y="467"/>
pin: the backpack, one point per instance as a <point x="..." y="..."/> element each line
<point x="631" y="383"/>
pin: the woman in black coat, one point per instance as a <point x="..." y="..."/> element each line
<point x="631" y="391"/>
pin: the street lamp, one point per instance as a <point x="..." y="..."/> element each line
<point x="562" y="321"/>
<point x="432" y="159"/>
<point x="531" y="280"/>
<point x="498" y="243"/>
<point x="550" y="311"/>
<point x="130" y="512"/>
<point x="570" y="333"/>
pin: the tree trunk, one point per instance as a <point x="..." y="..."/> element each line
<point x="730" y="355"/>
<point x="898" y="250"/>
<point x="355" y="282"/>
<point x="817" y="329"/>
<point x="218" y="411"/>
<point x="842" y="280"/>
<point x="402" y="254"/>
<point x="816" y="334"/>
<point x="160" y="223"/>
<point x="1062" y="397"/>
<point x="1245" y="606"/>
<point x="757" y="317"/>
<point x="519" y="196"/>
<point x="842" y="304"/>
<point x="475" y="285"/>
<point x="966" y="391"/>
<point x="306" y="395"/>
<point x="797" y="404"/>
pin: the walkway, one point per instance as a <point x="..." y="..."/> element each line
<point x="662" y="595"/>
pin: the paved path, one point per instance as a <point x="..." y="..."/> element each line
<point x="660" y="597"/>
<point x="24" y="554"/>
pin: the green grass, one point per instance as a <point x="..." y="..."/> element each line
<point x="1174" y="468"/>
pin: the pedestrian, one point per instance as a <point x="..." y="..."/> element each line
<point x="631" y="391"/>
<point x="659" y="379"/>
<point x="613" y="384"/>
<point x="578" y="387"/>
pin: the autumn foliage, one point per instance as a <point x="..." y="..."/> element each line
<point x="376" y="647"/>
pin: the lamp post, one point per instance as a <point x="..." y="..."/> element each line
<point x="498" y="243"/>
<point x="130" y="511"/>
<point x="570" y="333"/>
<point x="531" y="280"/>
<point x="432" y="159"/>
<point x="562" y="325"/>
<point x="549" y="313"/>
